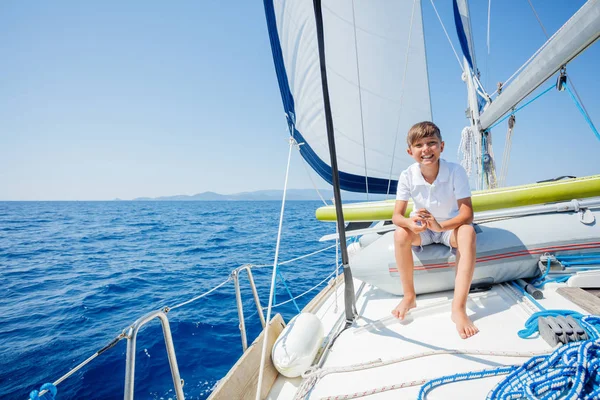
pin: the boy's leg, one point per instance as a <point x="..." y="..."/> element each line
<point x="463" y="239"/>
<point x="403" y="240"/>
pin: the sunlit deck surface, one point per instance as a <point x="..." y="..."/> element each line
<point x="498" y="314"/>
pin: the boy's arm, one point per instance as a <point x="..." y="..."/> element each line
<point x="464" y="217"/>
<point x="398" y="217"/>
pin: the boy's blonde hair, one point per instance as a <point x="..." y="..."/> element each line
<point x="422" y="130"/>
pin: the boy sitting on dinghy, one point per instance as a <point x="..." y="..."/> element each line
<point x="442" y="213"/>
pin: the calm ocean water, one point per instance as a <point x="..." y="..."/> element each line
<point x="75" y="274"/>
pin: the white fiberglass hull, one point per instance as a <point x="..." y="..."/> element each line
<point x="506" y="249"/>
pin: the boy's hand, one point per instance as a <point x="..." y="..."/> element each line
<point x="430" y="220"/>
<point x="417" y="224"/>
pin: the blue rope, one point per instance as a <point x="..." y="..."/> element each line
<point x="568" y="261"/>
<point x="541" y="281"/>
<point x="582" y="111"/>
<point x="530" y="297"/>
<point x="559" y="279"/>
<point x="578" y="257"/>
<point x="486" y="373"/>
<point x="531" y="325"/>
<point x="570" y="372"/>
<point x="49" y="395"/>
<point x="592" y="262"/>
<point x="288" y="290"/>
<point x="523" y="106"/>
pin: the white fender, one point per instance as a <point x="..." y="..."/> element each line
<point x="297" y="345"/>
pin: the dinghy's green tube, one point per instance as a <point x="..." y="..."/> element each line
<point x="483" y="200"/>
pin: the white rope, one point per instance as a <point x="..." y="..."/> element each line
<point x="273" y="278"/>
<point x="447" y="36"/>
<point x="362" y="125"/>
<point x="200" y="296"/>
<point x="293" y="259"/>
<point x="306" y="255"/>
<point x="491" y="166"/>
<point x="314" y="375"/>
<point x="506" y="154"/>
<point x="406" y="57"/>
<point x="466" y="147"/>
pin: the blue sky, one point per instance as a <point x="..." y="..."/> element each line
<point x="112" y="99"/>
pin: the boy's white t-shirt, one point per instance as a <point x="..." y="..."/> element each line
<point x="440" y="197"/>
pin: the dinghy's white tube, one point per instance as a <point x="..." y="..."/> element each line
<point x="572" y="38"/>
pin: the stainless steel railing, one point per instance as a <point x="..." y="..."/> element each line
<point x="131" y="332"/>
<point x="131" y="335"/>
<point x="235" y="274"/>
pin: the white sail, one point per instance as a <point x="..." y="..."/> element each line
<point x="378" y="84"/>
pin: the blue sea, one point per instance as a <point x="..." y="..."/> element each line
<point x="75" y="274"/>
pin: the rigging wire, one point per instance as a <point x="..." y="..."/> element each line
<point x="412" y="17"/>
<point x="362" y="124"/>
<point x="488" y="25"/>
<point x="447" y="36"/>
<point x="273" y="277"/>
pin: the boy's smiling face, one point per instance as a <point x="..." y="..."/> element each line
<point x="426" y="151"/>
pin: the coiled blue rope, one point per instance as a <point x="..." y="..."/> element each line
<point x="531" y="325"/>
<point x="49" y="395"/>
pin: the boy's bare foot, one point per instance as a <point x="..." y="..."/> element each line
<point x="406" y="304"/>
<point x="465" y="327"/>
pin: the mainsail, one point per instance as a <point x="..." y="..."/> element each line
<point x="378" y="84"/>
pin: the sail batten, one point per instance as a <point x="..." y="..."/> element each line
<point x="366" y="45"/>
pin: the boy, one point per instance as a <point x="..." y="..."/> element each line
<point x="442" y="213"/>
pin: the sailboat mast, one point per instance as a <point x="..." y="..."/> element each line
<point x="484" y="164"/>
<point x="349" y="301"/>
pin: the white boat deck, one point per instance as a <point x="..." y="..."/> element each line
<point x="498" y="315"/>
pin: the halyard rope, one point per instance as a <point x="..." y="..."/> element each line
<point x="466" y="147"/>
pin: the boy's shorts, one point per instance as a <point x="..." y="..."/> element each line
<point x="428" y="237"/>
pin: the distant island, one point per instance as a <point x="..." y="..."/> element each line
<point x="266" y="195"/>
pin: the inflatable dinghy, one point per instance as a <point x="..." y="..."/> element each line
<point x="507" y="249"/>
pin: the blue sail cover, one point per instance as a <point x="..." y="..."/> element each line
<point x="378" y="85"/>
<point x="463" y="30"/>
